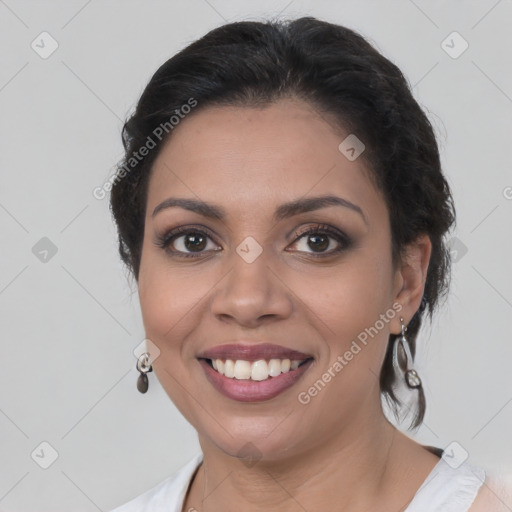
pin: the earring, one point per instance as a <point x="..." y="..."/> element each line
<point x="402" y="358"/>
<point x="143" y="366"/>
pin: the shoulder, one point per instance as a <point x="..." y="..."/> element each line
<point x="495" y="495"/>
<point x="169" y="493"/>
<point x="449" y="487"/>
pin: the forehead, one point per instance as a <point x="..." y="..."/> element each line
<point x="252" y="158"/>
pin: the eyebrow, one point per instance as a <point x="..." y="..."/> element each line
<point x="282" y="212"/>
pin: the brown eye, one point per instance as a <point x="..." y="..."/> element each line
<point x="186" y="242"/>
<point x="322" y="240"/>
<point x="318" y="242"/>
<point x="194" y="242"/>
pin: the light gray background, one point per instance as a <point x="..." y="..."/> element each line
<point x="69" y="325"/>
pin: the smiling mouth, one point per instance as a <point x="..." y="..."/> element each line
<point x="259" y="370"/>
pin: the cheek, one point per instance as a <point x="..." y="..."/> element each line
<point x="166" y="311"/>
<point x="358" y="289"/>
<point x="172" y="302"/>
<point x="164" y="301"/>
<point x="164" y="305"/>
<point x="349" y="303"/>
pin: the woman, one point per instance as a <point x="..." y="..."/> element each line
<point x="282" y="207"/>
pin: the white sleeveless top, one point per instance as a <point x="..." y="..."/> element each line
<point x="445" y="489"/>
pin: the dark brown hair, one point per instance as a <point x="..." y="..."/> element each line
<point x="338" y="72"/>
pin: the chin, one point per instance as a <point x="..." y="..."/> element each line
<point x="255" y="439"/>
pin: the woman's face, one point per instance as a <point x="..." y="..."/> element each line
<point x="255" y="278"/>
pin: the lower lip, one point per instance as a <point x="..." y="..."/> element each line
<point x="247" y="390"/>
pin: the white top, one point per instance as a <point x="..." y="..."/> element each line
<point x="446" y="488"/>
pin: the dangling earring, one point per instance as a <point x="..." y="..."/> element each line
<point x="402" y="359"/>
<point x="143" y="366"/>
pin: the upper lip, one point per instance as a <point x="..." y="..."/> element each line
<point x="252" y="352"/>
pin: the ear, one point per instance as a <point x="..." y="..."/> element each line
<point x="410" y="278"/>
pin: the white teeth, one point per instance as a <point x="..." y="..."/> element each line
<point x="257" y="370"/>
<point x="229" y="368"/>
<point x="274" y="367"/>
<point x="242" y="369"/>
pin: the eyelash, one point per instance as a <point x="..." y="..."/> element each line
<point x="165" y="240"/>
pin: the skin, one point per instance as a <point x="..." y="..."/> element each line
<point x="338" y="451"/>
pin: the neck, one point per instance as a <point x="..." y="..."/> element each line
<point x="348" y="471"/>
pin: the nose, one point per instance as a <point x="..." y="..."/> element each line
<point x="251" y="294"/>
